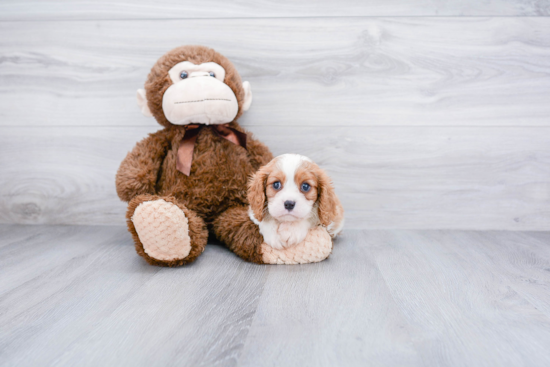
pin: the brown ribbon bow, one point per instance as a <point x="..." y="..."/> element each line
<point x="187" y="144"/>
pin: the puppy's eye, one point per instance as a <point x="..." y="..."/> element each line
<point x="212" y="74"/>
<point x="183" y="74"/>
<point x="277" y="185"/>
<point x="305" y="187"/>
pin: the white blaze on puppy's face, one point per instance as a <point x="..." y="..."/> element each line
<point x="198" y="95"/>
<point x="291" y="189"/>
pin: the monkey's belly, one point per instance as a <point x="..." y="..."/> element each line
<point x="217" y="182"/>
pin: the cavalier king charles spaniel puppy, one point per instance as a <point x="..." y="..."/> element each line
<point x="289" y="196"/>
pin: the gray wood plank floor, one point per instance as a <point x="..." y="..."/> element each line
<point x="77" y="295"/>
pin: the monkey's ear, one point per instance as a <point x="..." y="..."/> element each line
<point x="142" y="103"/>
<point x="247" y="96"/>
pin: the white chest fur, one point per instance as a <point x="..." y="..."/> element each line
<point x="280" y="235"/>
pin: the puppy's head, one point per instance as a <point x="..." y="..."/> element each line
<point x="290" y="188"/>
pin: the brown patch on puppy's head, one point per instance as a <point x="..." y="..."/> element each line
<point x="307" y="173"/>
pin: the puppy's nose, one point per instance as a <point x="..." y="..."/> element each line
<point x="289" y="205"/>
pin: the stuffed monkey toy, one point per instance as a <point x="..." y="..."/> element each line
<point x="191" y="177"/>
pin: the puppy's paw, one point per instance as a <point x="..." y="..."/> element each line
<point x="316" y="247"/>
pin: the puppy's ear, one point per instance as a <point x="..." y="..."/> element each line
<point x="256" y="192"/>
<point x="331" y="212"/>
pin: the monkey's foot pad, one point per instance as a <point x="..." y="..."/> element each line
<point x="316" y="247"/>
<point x="162" y="229"/>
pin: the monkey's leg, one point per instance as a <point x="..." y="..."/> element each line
<point x="235" y="228"/>
<point x="165" y="232"/>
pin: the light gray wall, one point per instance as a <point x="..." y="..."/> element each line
<point x="427" y="114"/>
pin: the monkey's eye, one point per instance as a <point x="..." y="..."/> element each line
<point x="212" y="74"/>
<point x="277" y="185"/>
<point x="305" y="187"/>
<point x="183" y="74"/>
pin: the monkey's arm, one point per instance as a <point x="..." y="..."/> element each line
<point x="258" y="152"/>
<point x="138" y="172"/>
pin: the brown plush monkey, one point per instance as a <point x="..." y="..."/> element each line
<point x="191" y="176"/>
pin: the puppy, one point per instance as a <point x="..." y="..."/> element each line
<point x="289" y="196"/>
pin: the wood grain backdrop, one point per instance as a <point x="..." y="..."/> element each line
<point x="431" y="114"/>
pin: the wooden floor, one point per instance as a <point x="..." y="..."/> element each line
<point x="80" y="296"/>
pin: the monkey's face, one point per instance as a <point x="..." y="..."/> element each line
<point x="199" y="95"/>
<point x="198" y="91"/>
